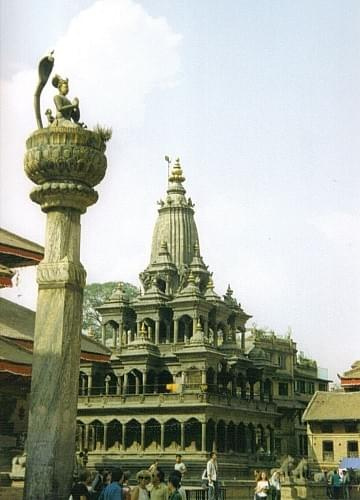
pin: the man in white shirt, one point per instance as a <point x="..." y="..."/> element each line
<point x="212" y="475"/>
<point x="179" y="465"/>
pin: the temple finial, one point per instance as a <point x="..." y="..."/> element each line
<point x="177" y="173"/>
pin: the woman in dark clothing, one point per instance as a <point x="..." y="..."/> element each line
<point x="80" y="489"/>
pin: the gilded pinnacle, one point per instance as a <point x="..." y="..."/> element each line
<point x="177" y="173"/>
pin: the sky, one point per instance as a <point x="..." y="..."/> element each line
<point x="260" y="100"/>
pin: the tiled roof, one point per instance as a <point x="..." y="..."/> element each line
<point x="13" y="240"/>
<point x="333" y="406"/>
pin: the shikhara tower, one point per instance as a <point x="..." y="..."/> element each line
<point x="182" y="378"/>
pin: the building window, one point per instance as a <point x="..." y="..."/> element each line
<point x="352" y="449"/>
<point x="283" y="389"/>
<point x="322" y="387"/>
<point x="300" y="386"/>
<point x="351" y="427"/>
<point x="303" y="445"/>
<point x="326" y="427"/>
<point x="311" y="387"/>
<point x="328" y="451"/>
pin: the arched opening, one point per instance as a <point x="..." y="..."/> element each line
<point x="152" y="434"/>
<point x="172" y="438"/>
<point x="96" y="435"/>
<point x="221" y="437"/>
<point x="241" y="386"/>
<point x="252" y="438"/>
<point x="220" y="333"/>
<point x="165" y="380"/>
<point x="223" y="378"/>
<point x="114" y="434"/>
<point x="193" y="435"/>
<point x="150" y="382"/>
<point x="133" y="435"/>
<point x="162" y="332"/>
<point x="210" y="436"/>
<point x="150" y="329"/>
<point x="135" y="385"/>
<point x="110" y="383"/>
<point x="260" y="439"/>
<point x="268" y="390"/>
<point x="241" y="438"/>
<point x="231" y="437"/>
<point x="80" y="435"/>
<point x="161" y="284"/>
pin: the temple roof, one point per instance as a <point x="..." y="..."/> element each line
<point x="176" y="224"/>
<point x="16" y="251"/>
<point x="333" y="406"/>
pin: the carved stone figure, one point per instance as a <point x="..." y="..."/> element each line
<point x="301" y="471"/>
<point x="67" y="112"/>
<point x="286" y="467"/>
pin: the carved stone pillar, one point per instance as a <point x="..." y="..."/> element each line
<point x="83" y="385"/>
<point x="123" y="436"/>
<point x="176" y="330"/>
<point x="157" y="332"/>
<point x="203" y="437"/>
<point x="65" y="163"/>
<point x="103" y="334"/>
<point x="125" y="386"/>
<point x="182" y="436"/>
<point x="118" y="385"/>
<point x="86" y="440"/>
<point x="144" y="381"/>
<point x="107" y="382"/>
<point x="142" y="436"/>
<point x="89" y="384"/>
<point x="215" y="444"/>
<point x="168" y="332"/>
<point x="105" y="436"/>
<point x="137" y="385"/>
<point x="162" y="436"/>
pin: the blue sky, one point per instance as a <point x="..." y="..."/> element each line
<point x="261" y="102"/>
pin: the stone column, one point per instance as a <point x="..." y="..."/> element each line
<point x="162" y="436"/>
<point x="176" y="330"/>
<point x="168" y="332"/>
<point x="65" y="163"/>
<point x="89" y="385"/>
<point x="81" y="437"/>
<point x="123" y="436"/>
<point x="215" y="444"/>
<point x="203" y="437"/>
<point x="115" y="334"/>
<point x="105" y="436"/>
<point x="125" y="386"/>
<point x="157" y="332"/>
<point x="118" y="385"/>
<point x="86" y="440"/>
<point x="144" y="377"/>
<point x="137" y="385"/>
<point x="83" y="385"/>
<point x="103" y="334"/>
<point x="142" y="436"/>
<point x="182" y="436"/>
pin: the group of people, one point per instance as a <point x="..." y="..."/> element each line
<point x="114" y="484"/>
<point x="267" y="488"/>
<point x="338" y="484"/>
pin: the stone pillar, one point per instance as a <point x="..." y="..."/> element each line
<point x="168" y="332"/>
<point x="123" y="436"/>
<point x="203" y="437"/>
<point x="107" y="382"/>
<point x="203" y="377"/>
<point x="125" y="386"/>
<point x="162" y="436"/>
<point x="144" y="377"/>
<point x="176" y="330"/>
<point x="118" y="385"/>
<point x="243" y="341"/>
<point x="157" y="332"/>
<point x="105" y="436"/>
<point x="103" y="334"/>
<point x="115" y="331"/>
<point x="120" y="333"/>
<point x="182" y="436"/>
<point x="86" y="440"/>
<point x="142" y="436"/>
<point x="156" y="383"/>
<point x="83" y="385"/>
<point x="89" y="385"/>
<point x="81" y="437"/>
<point x="65" y="163"/>
<point x="206" y="328"/>
<point x="137" y="385"/>
<point x="215" y="446"/>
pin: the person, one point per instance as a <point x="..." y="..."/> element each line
<point x="126" y="490"/>
<point x="153" y="467"/>
<point x="173" y="487"/>
<point x="275" y="486"/>
<point x="346" y="484"/>
<point x="97" y="484"/>
<point x="204" y="480"/>
<point x="181" y="489"/>
<point x="113" y="491"/>
<point x="140" y="491"/>
<point x="336" y="484"/>
<point x="65" y="109"/>
<point x="179" y="465"/>
<point x="80" y="489"/>
<point x="212" y="476"/>
<point x="158" y="489"/>
<point x="262" y="487"/>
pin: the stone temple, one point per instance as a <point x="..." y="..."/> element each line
<point x="185" y="375"/>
